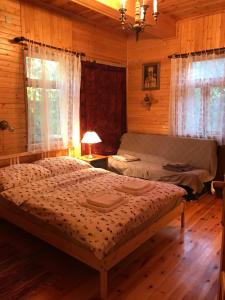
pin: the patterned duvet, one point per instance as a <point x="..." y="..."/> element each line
<point x="55" y="201"/>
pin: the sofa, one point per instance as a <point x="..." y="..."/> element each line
<point x="154" y="152"/>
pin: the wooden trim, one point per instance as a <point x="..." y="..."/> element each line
<point x="27" y="157"/>
<point x="220" y="174"/>
<point x="221" y="294"/>
<point x="104" y="283"/>
<point x="222" y="285"/>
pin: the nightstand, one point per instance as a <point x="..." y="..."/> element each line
<point x="98" y="161"/>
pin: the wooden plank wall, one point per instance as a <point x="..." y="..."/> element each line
<point x="12" y="105"/>
<point x="193" y="34"/>
<point x="18" y="17"/>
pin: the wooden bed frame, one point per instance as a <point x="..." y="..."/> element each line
<point x="41" y="230"/>
<point x="220" y="185"/>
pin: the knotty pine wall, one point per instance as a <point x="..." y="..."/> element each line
<point x="193" y="34"/>
<point x="18" y="17"/>
<point x="12" y="105"/>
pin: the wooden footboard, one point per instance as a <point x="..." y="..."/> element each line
<point x="43" y="231"/>
<point x="27" y="157"/>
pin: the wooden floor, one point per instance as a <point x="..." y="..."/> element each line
<point x="172" y="265"/>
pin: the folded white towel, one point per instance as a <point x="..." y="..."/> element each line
<point x="105" y="199"/>
<point x="135" y="188"/>
<point x="101" y="209"/>
<point x="136" y="185"/>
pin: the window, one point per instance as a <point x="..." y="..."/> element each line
<point x="53" y="97"/>
<point x="207" y="78"/>
<point x="198" y="97"/>
<point x="44" y="75"/>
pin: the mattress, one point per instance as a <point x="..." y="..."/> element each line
<point x="56" y="202"/>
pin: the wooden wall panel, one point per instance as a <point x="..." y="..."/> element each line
<point x="61" y="30"/>
<point x="39" y="24"/>
<point x="20" y="17"/>
<point x="140" y="119"/>
<point x="193" y="34"/>
<point x="99" y="44"/>
<point x="12" y="104"/>
<point x="201" y="33"/>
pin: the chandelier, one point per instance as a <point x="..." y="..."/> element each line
<point x="140" y="13"/>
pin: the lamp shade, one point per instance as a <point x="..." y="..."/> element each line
<point x="90" y="137"/>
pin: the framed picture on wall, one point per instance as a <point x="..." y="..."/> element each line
<point x="151" y="76"/>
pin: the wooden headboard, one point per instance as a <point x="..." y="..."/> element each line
<point x="28" y="157"/>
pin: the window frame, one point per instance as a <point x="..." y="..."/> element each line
<point x="205" y="98"/>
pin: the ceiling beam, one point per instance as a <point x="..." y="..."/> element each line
<point x="98" y="7"/>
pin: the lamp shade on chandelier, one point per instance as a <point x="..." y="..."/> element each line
<point x="141" y="7"/>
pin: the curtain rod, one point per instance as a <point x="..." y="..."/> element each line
<point x="23" y="39"/>
<point x="209" y="51"/>
<point x="103" y="61"/>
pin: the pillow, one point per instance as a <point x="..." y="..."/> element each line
<point x="21" y="174"/>
<point x="62" y="164"/>
<point x="125" y="157"/>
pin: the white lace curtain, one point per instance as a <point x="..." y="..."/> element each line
<point x="53" y="95"/>
<point x="197" y="104"/>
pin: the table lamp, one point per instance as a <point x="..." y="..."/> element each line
<point x="90" y="137"/>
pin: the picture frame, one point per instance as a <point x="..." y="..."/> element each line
<point x="151" y="76"/>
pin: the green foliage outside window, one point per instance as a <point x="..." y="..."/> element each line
<point x="43" y="97"/>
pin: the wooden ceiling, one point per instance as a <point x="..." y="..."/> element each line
<point x="174" y="8"/>
<point x="102" y="15"/>
<point x="181" y="9"/>
<point x="97" y="13"/>
<point x="92" y="11"/>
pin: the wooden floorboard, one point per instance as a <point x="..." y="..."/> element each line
<point x="175" y="264"/>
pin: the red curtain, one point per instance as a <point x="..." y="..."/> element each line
<point x="103" y="105"/>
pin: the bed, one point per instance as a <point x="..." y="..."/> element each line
<point x="50" y="207"/>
